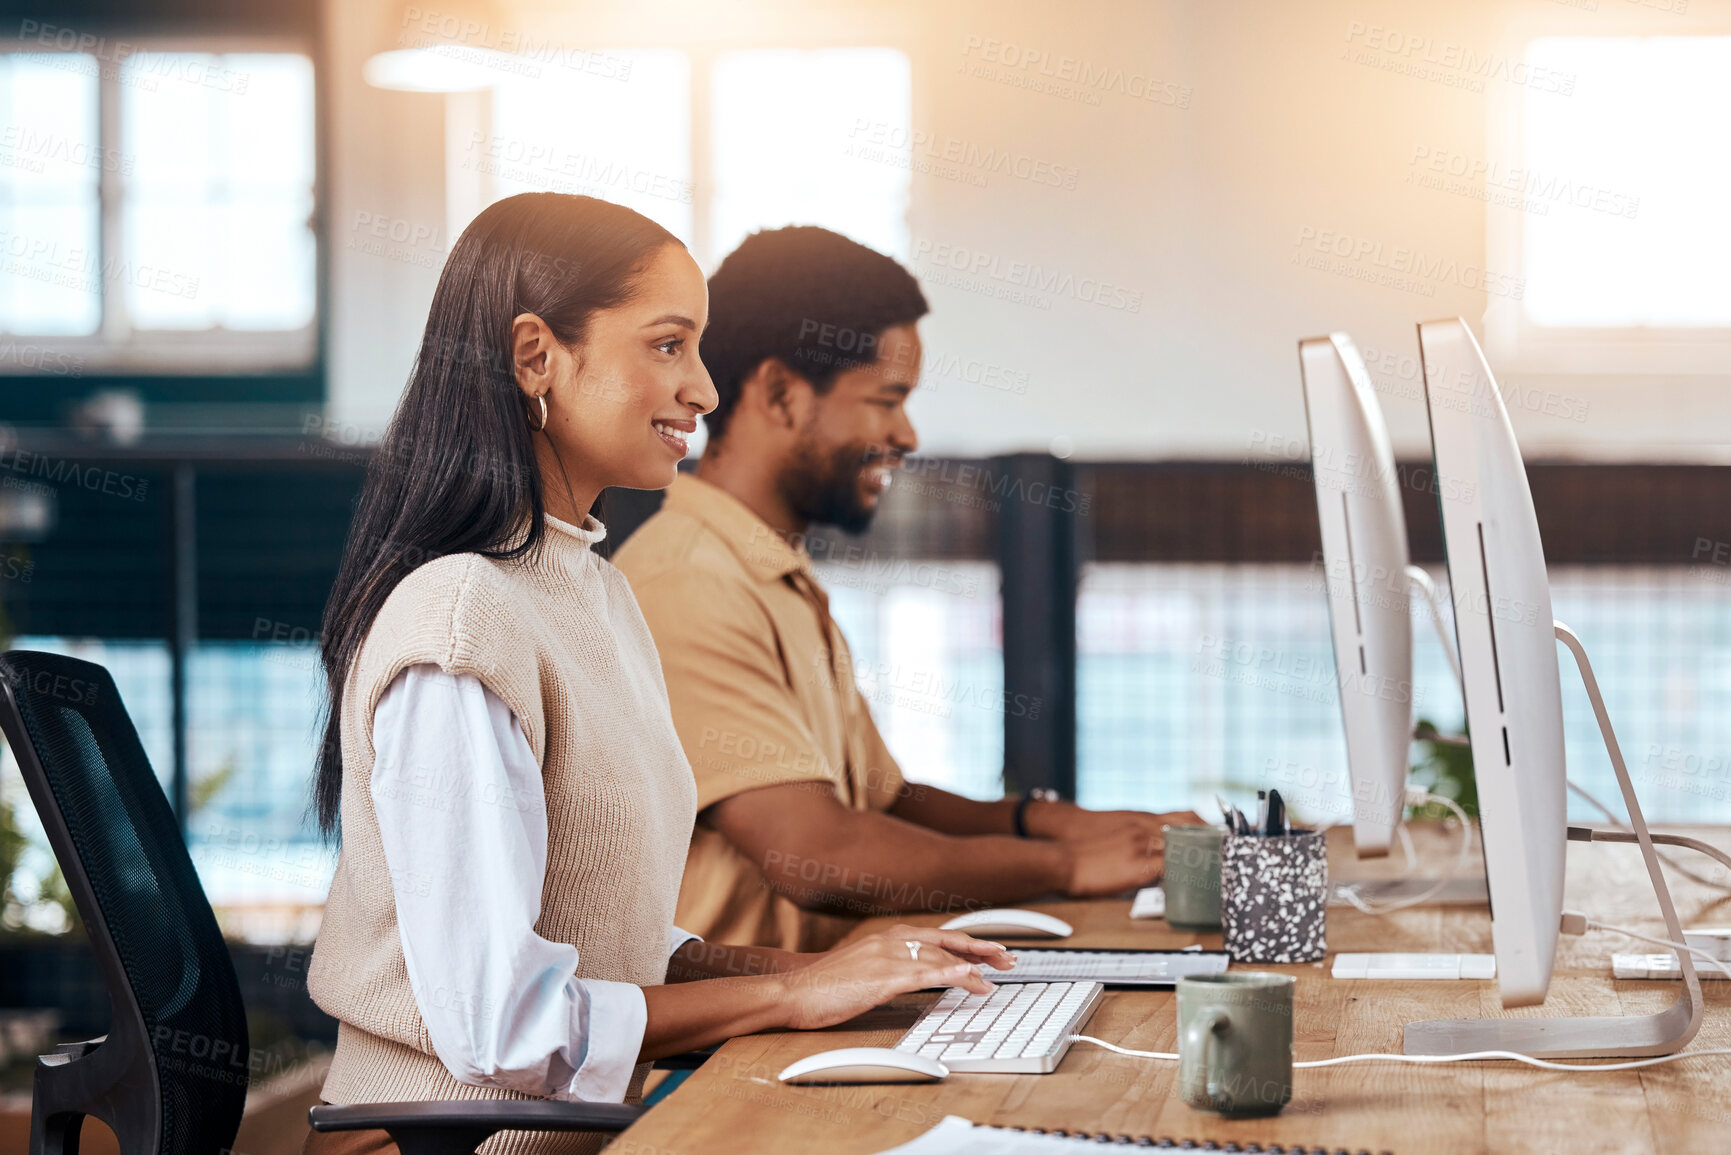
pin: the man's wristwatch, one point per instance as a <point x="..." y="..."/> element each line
<point x="1037" y="794"/>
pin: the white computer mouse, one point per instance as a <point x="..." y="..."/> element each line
<point x="1010" y="924"/>
<point x="864" y="1065"/>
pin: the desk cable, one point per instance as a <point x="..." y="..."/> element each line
<point x="1416" y="796"/>
<point x="1573" y="923"/>
<point x="1611" y="817"/>
<point x="1669" y="840"/>
<point x="1469" y="1056"/>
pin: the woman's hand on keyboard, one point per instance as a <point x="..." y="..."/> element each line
<point x="851" y="979"/>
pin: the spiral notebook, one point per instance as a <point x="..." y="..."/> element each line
<point x="957" y="1136"/>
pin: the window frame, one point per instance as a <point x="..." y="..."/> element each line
<point x="117" y="351"/>
<point x="1520" y="345"/>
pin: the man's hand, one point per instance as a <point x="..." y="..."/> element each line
<point x="1067" y="822"/>
<point x="829" y="857"/>
<point x="1112" y="850"/>
<point x="1124" y="859"/>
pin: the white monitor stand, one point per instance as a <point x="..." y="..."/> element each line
<point x="1586" y="1036"/>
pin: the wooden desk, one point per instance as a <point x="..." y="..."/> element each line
<point x="734" y="1103"/>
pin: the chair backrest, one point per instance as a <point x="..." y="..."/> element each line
<point x="161" y="953"/>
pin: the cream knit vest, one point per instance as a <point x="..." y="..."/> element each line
<point x="560" y="639"/>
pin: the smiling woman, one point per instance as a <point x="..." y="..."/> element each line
<point x="514" y="802"/>
<point x="500" y="400"/>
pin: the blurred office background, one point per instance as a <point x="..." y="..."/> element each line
<point x="221" y="224"/>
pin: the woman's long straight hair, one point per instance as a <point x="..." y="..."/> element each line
<point x="456" y="471"/>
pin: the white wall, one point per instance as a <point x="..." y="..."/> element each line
<point x="1196" y="212"/>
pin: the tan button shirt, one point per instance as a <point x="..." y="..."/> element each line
<point x="762" y="689"/>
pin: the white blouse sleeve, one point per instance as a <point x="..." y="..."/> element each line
<point x="677" y="938"/>
<point x="463" y="821"/>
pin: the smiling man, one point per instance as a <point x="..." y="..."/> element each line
<point x="805" y="823"/>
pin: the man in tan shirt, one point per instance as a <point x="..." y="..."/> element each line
<point x="805" y="823"/>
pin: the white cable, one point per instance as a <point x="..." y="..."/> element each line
<point x="1123" y="1050"/>
<point x="1408" y="853"/>
<point x="1479" y="1056"/>
<point x="1408" y="850"/>
<point x="1348" y="892"/>
<point x="1420" y="797"/>
<point x="1421" y="579"/>
<point x="1465" y="1057"/>
<point x="1663" y="857"/>
<point x="1610" y="816"/>
<point x="1517" y="1057"/>
<point x="1704" y="956"/>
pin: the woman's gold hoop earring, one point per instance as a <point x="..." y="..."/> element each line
<point x="538" y="428"/>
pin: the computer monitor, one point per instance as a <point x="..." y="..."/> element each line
<point x="1506" y="640"/>
<point x="1364" y="554"/>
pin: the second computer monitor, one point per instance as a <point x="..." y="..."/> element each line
<point x="1364" y="556"/>
<point x="1506" y="640"/>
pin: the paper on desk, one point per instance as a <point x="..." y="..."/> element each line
<point x="957" y="1136"/>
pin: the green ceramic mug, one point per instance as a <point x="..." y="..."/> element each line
<point x="1235" y="1042"/>
<point x="1192" y="877"/>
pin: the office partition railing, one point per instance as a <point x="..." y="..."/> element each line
<point x="1138" y="634"/>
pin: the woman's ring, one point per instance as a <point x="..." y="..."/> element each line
<point x="914" y="949"/>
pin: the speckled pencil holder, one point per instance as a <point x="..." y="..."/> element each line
<point x="1274" y="897"/>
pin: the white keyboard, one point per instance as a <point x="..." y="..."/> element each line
<point x="1115" y="968"/>
<point x="1022" y="1029"/>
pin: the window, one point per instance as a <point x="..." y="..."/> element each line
<point x="1193" y="680"/>
<point x="1617" y="220"/>
<point x="1648" y="238"/>
<point x="928" y="659"/>
<point x="50" y="169"/>
<point x="621" y="128"/>
<point x="141" y="673"/>
<point x="220" y="193"/>
<point x="812" y="138"/>
<point x="1197" y="679"/>
<point x="252" y="738"/>
<point x="839" y="155"/>
<point x="251" y="732"/>
<point x="158" y="210"/>
<point x="621" y="133"/>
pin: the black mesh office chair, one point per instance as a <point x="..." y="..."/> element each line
<point x="170" y="1077"/>
<point x="171" y="1074"/>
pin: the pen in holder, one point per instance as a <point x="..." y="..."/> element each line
<point x="1274" y="897"/>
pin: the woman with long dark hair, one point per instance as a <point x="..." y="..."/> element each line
<point x="513" y="802"/>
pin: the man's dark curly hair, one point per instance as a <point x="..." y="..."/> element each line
<point x="807" y="297"/>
